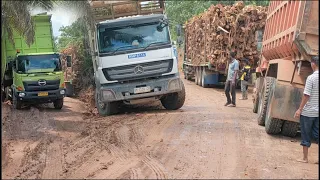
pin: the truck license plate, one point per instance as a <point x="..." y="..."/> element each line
<point x="43" y="94"/>
<point x="142" y="90"/>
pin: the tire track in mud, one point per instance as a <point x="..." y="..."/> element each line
<point x="34" y="160"/>
<point x="155" y="167"/>
<point x="54" y="162"/>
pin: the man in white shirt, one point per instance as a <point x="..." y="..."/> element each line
<point x="309" y="110"/>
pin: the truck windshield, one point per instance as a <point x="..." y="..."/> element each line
<point x="139" y="36"/>
<point x="39" y="63"/>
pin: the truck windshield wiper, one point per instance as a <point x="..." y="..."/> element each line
<point x="153" y="44"/>
<point x="119" y="48"/>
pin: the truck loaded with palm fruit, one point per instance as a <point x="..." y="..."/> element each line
<point x="290" y="41"/>
<point x="32" y="74"/>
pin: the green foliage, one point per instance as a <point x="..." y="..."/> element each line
<point x="75" y="35"/>
<point x="15" y="16"/>
<point x="180" y="11"/>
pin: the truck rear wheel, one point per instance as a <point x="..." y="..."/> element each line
<point x="290" y="128"/>
<point x="105" y="109"/>
<point x="200" y="76"/>
<point x="264" y="98"/>
<point x="174" y="101"/>
<point x="272" y="125"/>
<point x="58" y="104"/>
<point x="196" y="78"/>
<point x="16" y="103"/>
<point x="203" y="74"/>
<point x="255" y="95"/>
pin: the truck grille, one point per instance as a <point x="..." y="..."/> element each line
<point x="34" y="85"/>
<point x="138" y="71"/>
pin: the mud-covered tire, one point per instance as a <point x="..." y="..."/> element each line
<point x="264" y="98"/>
<point x="174" y="101"/>
<point x="105" y="109"/>
<point x="16" y="103"/>
<point x="272" y="125"/>
<point x="255" y="95"/>
<point x="290" y="128"/>
<point x="58" y="104"/>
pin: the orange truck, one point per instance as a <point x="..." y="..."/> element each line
<point x="290" y="40"/>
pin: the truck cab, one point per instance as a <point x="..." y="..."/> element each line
<point x="34" y="78"/>
<point x="135" y="60"/>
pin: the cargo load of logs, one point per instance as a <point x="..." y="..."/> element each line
<point x="211" y="35"/>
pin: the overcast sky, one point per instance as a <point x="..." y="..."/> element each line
<point x="59" y="18"/>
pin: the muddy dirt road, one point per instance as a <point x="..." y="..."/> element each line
<point x="202" y="140"/>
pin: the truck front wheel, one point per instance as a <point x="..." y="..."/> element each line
<point x="174" y="101"/>
<point x="105" y="109"/>
<point x="58" y="104"/>
<point x="17" y="104"/>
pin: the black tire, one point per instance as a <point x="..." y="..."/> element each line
<point x="202" y="78"/>
<point x="16" y="103"/>
<point x="105" y="109"/>
<point x="256" y="96"/>
<point x="196" y="79"/>
<point x="290" y="128"/>
<point x="3" y="96"/>
<point x="174" y="101"/>
<point x="58" y="104"/>
<point x="264" y="97"/>
<point x="272" y="125"/>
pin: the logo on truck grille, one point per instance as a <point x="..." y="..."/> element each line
<point x="138" y="70"/>
<point x="42" y="82"/>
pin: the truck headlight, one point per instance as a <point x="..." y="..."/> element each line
<point x="62" y="91"/>
<point x="174" y="84"/>
<point x="22" y="94"/>
<point x="107" y="95"/>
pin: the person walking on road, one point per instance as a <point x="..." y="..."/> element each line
<point x="245" y="77"/>
<point x="309" y="110"/>
<point x="231" y="80"/>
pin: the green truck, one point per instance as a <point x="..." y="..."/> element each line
<point x="33" y="75"/>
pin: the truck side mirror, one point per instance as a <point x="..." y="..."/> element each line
<point x="68" y="61"/>
<point x="178" y="30"/>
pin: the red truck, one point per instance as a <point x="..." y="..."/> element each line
<point x="290" y="40"/>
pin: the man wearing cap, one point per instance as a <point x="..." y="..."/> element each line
<point x="245" y="77"/>
<point x="309" y="110"/>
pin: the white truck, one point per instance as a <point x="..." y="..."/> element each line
<point x="134" y="58"/>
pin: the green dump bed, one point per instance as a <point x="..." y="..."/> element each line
<point x="44" y="41"/>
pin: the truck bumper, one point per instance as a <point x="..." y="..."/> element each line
<point x="285" y="101"/>
<point x="125" y="91"/>
<point x="33" y="96"/>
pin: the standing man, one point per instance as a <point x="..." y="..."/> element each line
<point x="231" y="80"/>
<point x="245" y="77"/>
<point x="309" y="110"/>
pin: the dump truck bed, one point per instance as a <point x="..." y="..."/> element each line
<point x="43" y="40"/>
<point x="291" y="30"/>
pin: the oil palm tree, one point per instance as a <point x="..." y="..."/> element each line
<point x="15" y="15"/>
